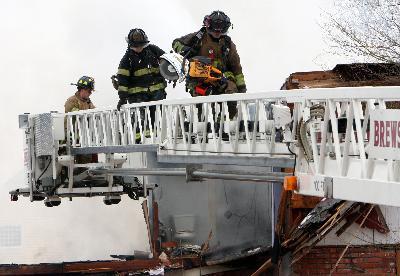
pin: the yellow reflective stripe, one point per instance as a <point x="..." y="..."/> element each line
<point x="229" y="75"/>
<point x="123" y="72"/>
<point x="239" y="80"/>
<point x="157" y="87"/>
<point x="146" y="71"/>
<point x="122" y="88"/>
<point x="146" y="134"/>
<point x="152" y="88"/>
<point x="178" y="47"/>
<point x="137" y="89"/>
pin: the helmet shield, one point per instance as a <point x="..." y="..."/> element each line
<point x="137" y="38"/>
<point x="218" y="22"/>
<point x="174" y="67"/>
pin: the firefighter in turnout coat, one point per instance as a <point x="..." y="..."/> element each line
<point x="139" y="78"/>
<point x="213" y="42"/>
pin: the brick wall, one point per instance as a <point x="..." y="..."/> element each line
<point x="361" y="260"/>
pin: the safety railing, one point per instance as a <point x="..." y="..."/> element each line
<point x="112" y="127"/>
<point x="333" y="130"/>
<point x="345" y="142"/>
<point x="224" y="124"/>
<point x="328" y="129"/>
<point x="191" y="125"/>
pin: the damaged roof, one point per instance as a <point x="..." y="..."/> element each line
<point x="347" y="75"/>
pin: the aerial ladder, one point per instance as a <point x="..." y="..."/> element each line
<point x="340" y="143"/>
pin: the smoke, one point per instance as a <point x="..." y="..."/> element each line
<point x="84" y="229"/>
<point x="46" y="45"/>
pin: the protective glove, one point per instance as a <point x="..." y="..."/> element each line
<point x="242" y="89"/>
<point x="123" y="95"/>
<point x="221" y="89"/>
<point x="114" y="80"/>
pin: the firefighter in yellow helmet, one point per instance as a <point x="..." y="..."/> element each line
<point x="81" y="99"/>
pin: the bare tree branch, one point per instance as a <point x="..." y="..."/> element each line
<point x="364" y="29"/>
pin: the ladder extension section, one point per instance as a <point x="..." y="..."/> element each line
<point x="344" y="141"/>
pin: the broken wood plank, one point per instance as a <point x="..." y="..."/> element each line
<point x="283" y="204"/>
<point x="79" y="267"/>
<point x="206" y="245"/>
<point x="375" y="221"/>
<point x="349" y="243"/>
<point x="155" y="229"/>
<point x="334" y="220"/>
<point x="295" y="224"/>
<point x="147" y="220"/>
<point x="264" y="267"/>
<point x="351" y="218"/>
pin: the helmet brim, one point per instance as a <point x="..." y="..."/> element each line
<point x="220" y="27"/>
<point x="139" y="44"/>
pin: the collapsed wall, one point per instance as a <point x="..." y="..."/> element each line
<point x="367" y="244"/>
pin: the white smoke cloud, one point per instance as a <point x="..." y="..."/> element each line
<point x="47" y="44"/>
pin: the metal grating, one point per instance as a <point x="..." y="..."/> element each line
<point x="10" y="235"/>
<point x="43" y="135"/>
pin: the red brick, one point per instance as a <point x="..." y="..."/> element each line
<point x="362" y="249"/>
<point x="385" y="254"/>
<point x="319" y="261"/>
<point x="313" y="273"/>
<point x="379" y="274"/>
<point x="368" y="260"/>
<point x="377" y="254"/>
<point x="324" y="266"/>
<point x="341" y="270"/>
<point x="343" y="260"/>
<point x="346" y="273"/>
<point x="352" y="255"/>
<point x="370" y="265"/>
<point x="373" y="260"/>
<point x="342" y="265"/>
<point x="317" y="256"/>
<point x="315" y="267"/>
<point x="374" y="271"/>
<point x="333" y="249"/>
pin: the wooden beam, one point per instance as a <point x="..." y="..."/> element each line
<point x="267" y="265"/>
<point x="78" y="267"/>
<point x="283" y="204"/>
<point x="156" y="230"/>
<point x="147" y="220"/>
<point x="351" y="217"/>
<point x="303" y="249"/>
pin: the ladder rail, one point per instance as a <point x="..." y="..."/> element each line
<point x="339" y="139"/>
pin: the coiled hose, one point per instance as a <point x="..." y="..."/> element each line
<point x="316" y="111"/>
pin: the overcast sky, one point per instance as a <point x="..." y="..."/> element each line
<point x="46" y="45"/>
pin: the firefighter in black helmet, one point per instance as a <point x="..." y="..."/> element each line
<point x="217" y="23"/>
<point x="212" y="41"/>
<point x="139" y="78"/>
